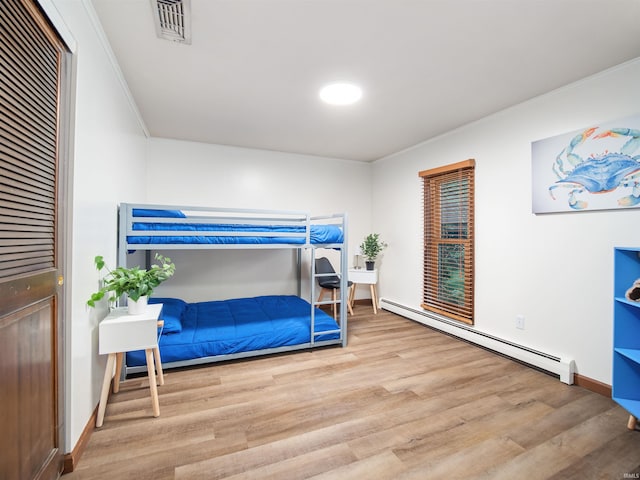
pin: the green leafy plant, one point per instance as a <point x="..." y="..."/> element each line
<point x="135" y="282"/>
<point x="372" y="246"/>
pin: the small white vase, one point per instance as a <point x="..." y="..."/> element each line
<point x="137" y="307"/>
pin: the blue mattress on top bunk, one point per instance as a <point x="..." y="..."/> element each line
<point x="265" y="234"/>
<point x="204" y="329"/>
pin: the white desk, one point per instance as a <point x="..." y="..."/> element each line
<point x="120" y="332"/>
<point x="366" y="277"/>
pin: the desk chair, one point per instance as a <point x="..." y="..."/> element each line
<point x="331" y="283"/>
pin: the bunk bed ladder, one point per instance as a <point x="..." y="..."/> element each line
<point x="312" y="301"/>
<point x="344" y="282"/>
<point x="342" y="299"/>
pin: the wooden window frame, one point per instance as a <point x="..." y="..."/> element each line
<point x="449" y="191"/>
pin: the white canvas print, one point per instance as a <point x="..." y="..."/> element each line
<point x="596" y="168"/>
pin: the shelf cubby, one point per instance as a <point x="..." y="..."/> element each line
<point x="626" y="333"/>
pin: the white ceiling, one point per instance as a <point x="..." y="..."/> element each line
<point x="251" y="76"/>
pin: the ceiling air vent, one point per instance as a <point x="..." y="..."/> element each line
<point x="173" y="20"/>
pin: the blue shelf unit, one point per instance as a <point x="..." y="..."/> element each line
<point x="626" y="333"/>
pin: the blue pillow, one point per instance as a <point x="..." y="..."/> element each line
<point x="145" y="212"/>
<point x="172" y="309"/>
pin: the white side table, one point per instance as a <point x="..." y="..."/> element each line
<point x="367" y="277"/>
<point x="120" y="332"/>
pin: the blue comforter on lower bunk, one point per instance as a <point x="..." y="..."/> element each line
<point x="203" y="329"/>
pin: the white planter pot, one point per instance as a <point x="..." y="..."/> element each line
<point x="137" y="307"/>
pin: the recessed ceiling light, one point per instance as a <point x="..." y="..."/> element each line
<point x="341" y="93"/>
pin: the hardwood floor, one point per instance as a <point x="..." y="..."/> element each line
<point x="400" y="402"/>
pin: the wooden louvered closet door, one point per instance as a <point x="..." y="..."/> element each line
<point x="30" y="73"/>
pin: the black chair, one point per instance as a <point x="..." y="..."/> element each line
<point x="331" y="283"/>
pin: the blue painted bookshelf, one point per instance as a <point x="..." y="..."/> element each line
<point x="626" y="333"/>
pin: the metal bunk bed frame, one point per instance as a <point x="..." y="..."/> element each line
<point x="208" y="215"/>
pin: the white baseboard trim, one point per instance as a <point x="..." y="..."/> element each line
<point x="564" y="368"/>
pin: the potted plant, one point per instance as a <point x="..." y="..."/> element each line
<point x="371" y="248"/>
<point x="137" y="283"/>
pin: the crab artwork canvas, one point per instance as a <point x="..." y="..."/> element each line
<point x="595" y="168"/>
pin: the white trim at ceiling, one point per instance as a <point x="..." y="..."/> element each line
<point x="56" y="20"/>
<point x="102" y="37"/>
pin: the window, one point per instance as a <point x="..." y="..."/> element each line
<point x="448" y="240"/>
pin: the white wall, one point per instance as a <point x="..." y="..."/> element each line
<point x="555" y="269"/>
<point x="197" y="174"/>
<point x="108" y="142"/>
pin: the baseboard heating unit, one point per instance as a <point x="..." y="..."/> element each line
<point x="561" y="367"/>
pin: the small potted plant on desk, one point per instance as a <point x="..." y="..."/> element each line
<point x="137" y="283"/>
<point x="371" y="248"/>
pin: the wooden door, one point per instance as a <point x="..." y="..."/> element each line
<point x="30" y="72"/>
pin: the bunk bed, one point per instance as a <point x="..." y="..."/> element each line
<point x="218" y="330"/>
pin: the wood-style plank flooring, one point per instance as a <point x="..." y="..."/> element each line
<point x="402" y="401"/>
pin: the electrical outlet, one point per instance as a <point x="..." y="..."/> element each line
<point x="520" y="322"/>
